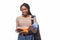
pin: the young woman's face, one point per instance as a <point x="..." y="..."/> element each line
<point x="24" y="10"/>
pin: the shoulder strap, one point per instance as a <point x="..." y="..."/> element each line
<point x="32" y="19"/>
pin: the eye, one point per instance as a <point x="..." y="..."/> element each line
<point x="24" y="9"/>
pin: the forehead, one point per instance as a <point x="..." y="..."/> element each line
<point x="23" y="7"/>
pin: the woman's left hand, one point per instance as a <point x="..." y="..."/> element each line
<point x="30" y="27"/>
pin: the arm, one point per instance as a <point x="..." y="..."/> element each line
<point x="34" y="31"/>
<point x="31" y="27"/>
<point x="17" y="24"/>
<point x="18" y="28"/>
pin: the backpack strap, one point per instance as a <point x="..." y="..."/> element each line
<point x="32" y="19"/>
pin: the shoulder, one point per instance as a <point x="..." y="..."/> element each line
<point x="33" y="16"/>
<point x="18" y="17"/>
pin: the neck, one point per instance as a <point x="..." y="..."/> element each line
<point x="25" y="15"/>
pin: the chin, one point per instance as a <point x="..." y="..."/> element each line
<point x="25" y="15"/>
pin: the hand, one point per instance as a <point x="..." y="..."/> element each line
<point x="30" y="27"/>
<point x="18" y="30"/>
<point x="22" y="30"/>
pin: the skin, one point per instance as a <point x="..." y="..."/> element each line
<point x="24" y="11"/>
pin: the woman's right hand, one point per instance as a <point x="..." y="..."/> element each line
<point x="18" y="30"/>
<point x="22" y="30"/>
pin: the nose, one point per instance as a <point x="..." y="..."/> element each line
<point x="24" y="10"/>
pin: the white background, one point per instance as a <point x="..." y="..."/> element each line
<point x="47" y="13"/>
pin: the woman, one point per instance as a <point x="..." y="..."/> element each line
<point x="24" y="22"/>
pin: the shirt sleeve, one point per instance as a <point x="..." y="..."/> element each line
<point x="17" y="22"/>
